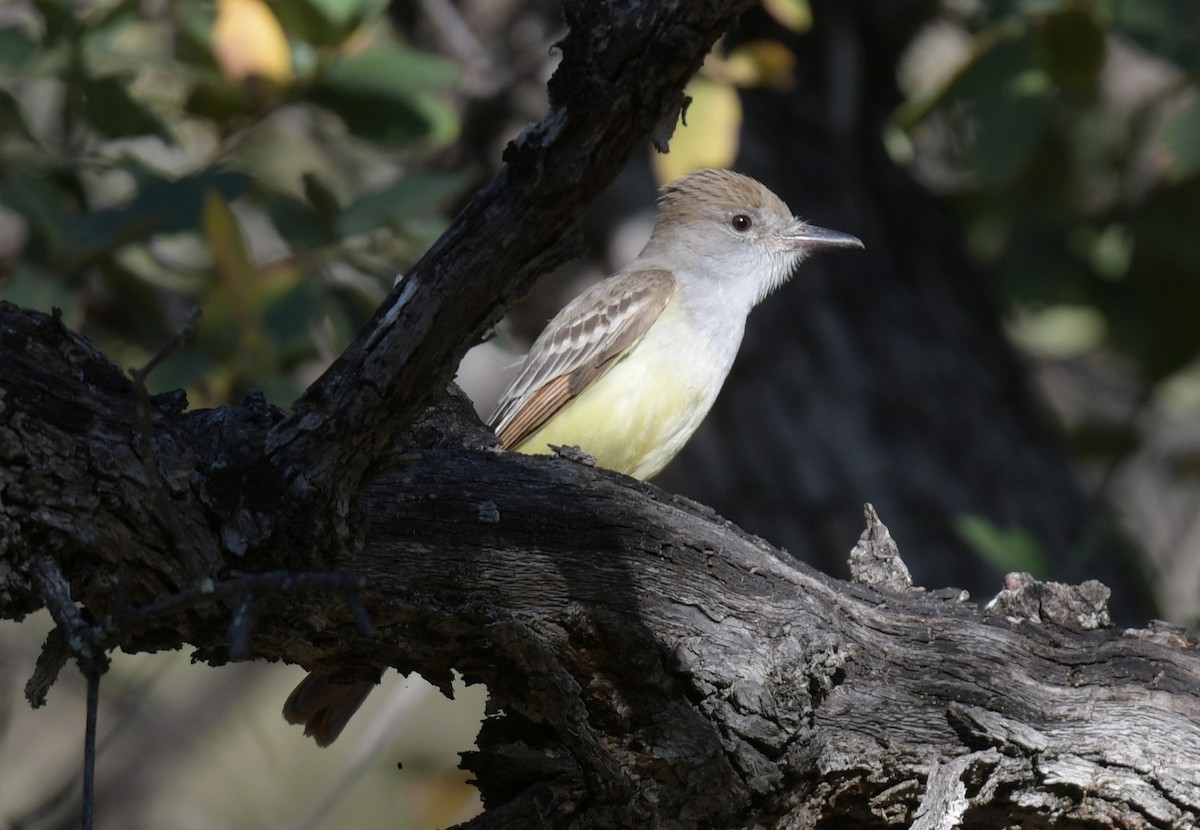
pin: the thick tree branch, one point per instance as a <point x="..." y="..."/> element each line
<point x="653" y="663"/>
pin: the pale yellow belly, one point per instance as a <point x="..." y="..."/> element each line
<point x="637" y="417"/>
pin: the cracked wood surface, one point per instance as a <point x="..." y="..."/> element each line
<point x="648" y="662"/>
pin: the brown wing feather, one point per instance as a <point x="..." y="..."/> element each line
<point x="580" y="344"/>
<point x="538" y="408"/>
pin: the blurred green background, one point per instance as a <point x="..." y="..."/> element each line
<point x="267" y="163"/>
<point x="278" y="164"/>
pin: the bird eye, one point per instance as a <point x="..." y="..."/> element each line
<point x="741" y="223"/>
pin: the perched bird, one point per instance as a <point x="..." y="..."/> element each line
<point x="630" y="367"/>
<point x="628" y="370"/>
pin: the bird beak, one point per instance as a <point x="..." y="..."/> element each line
<point x="808" y="237"/>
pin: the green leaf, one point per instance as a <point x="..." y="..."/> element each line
<point x="188" y="366"/>
<point x="322" y="198"/>
<point x="212" y="97"/>
<point x="414" y="196"/>
<point x="159" y="206"/>
<point x="390" y="72"/>
<point x="231" y="254"/>
<point x="43" y="202"/>
<point x="325" y="22"/>
<point x="178" y="262"/>
<point x="1004" y="92"/>
<point x="1181" y="137"/>
<point x="288" y="316"/>
<point x="343" y="12"/>
<point x="281" y="389"/>
<point x="17" y="51"/>
<point x="117" y="13"/>
<point x="297" y="222"/>
<point x="389" y="120"/>
<point x="1072" y="48"/>
<point x="113" y="112"/>
<point x="1010" y="550"/>
<point x="194" y="27"/>
<point x="240" y="281"/>
<point x="1037" y="265"/>
<point x="30" y="286"/>
<point x="383" y="95"/>
<point x="1164" y="28"/>
<point x="1152" y="312"/>
<point x="58" y="16"/>
<point x="12" y="117"/>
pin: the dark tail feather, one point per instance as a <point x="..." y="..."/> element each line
<point x="325" y="707"/>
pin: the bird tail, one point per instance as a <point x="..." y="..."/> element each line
<point x="325" y="707"/>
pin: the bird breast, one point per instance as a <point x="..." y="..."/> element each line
<point x="639" y="414"/>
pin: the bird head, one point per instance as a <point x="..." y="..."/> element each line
<point x="731" y="228"/>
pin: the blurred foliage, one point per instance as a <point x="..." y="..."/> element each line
<point x="247" y="157"/>
<point x="1068" y="132"/>
<point x="708" y="133"/>
<point x="1067" y="135"/>
<point x="1008" y="549"/>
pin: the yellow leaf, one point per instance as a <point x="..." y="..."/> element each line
<point x="794" y="14"/>
<point x="236" y="270"/>
<point x="762" y="63"/>
<point x="248" y="42"/>
<point x="709" y="135"/>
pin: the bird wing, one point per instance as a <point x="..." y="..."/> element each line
<point x="580" y="344"/>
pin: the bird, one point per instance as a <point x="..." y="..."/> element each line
<point x="629" y="368"/>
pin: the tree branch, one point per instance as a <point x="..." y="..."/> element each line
<point x="653" y="663"/>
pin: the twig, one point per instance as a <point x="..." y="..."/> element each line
<point x="86" y="643"/>
<point x="51" y="659"/>
<point x="82" y="639"/>
<point x="173" y="345"/>
<point x="145" y="442"/>
<point x="89" y="750"/>
<point x="54" y="801"/>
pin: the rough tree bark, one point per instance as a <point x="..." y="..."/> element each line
<point x="648" y="663"/>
